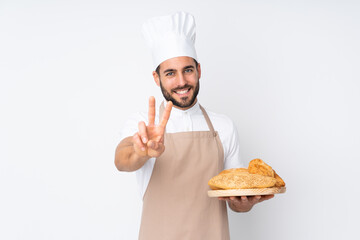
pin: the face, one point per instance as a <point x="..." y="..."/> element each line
<point x="179" y="81"/>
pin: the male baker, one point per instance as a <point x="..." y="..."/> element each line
<point x="176" y="150"/>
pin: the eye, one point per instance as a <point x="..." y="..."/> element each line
<point x="169" y="74"/>
<point x="188" y="70"/>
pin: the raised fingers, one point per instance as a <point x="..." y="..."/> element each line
<point x="151" y="113"/>
<point x="138" y="144"/>
<point x="143" y="132"/>
<point x="166" y="114"/>
<point x="155" y="149"/>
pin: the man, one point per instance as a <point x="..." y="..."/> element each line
<point x="175" y="158"/>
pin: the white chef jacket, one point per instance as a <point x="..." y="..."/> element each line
<point x="191" y="119"/>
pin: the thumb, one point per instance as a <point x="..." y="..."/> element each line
<point x="153" y="144"/>
<point x="155" y="149"/>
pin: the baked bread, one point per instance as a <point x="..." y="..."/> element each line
<point x="279" y="181"/>
<point x="234" y="170"/>
<point x="257" y="166"/>
<point x="241" y="180"/>
<point x="231" y="170"/>
<point x="257" y="175"/>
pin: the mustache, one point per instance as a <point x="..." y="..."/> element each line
<point x="181" y="87"/>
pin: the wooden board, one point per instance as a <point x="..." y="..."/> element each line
<point x="246" y="192"/>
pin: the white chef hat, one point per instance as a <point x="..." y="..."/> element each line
<point x="170" y="36"/>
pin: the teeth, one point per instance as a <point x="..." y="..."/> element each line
<point x="182" y="92"/>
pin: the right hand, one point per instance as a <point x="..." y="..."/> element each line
<point x="149" y="140"/>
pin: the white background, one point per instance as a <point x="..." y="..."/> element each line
<point x="71" y="72"/>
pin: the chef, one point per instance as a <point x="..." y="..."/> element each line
<point x="175" y="150"/>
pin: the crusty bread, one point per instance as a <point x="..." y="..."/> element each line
<point x="279" y="181"/>
<point x="215" y="188"/>
<point x="257" y="175"/>
<point x="257" y="166"/>
<point x="233" y="170"/>
<point x="241" y="181"/>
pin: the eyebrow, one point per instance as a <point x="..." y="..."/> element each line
<point x="169" y="70"/>
<point x="190" y="66"/>
<point x="174" y="70"/>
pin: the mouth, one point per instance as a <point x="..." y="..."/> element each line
<point x="182" y="92"/>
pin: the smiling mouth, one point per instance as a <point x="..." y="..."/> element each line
<point x="182" y="91"/>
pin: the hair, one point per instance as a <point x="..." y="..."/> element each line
<point x="158" y="67"/>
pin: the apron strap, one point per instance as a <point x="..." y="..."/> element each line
<point x="162" y="108"/>
<point x="210" y="126"/>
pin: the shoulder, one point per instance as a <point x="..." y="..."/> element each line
<point x="130" y="126"/>
<point x="221" y="122"/>
<point x="229" y="137"/>
<point x="137" y="117"/>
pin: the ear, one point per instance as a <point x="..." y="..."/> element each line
<point x="156" y="78"/>
<point x="199" y="70"/>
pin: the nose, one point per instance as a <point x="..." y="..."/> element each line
<point x="181" y="79"/>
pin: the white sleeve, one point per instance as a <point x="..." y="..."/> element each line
<point x="130" y="127"/>
<point x="143" y="174"/>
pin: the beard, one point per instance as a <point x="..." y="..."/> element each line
<point x="184" y="102"/>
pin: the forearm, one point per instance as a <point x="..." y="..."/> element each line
<point x="126" y="159"/>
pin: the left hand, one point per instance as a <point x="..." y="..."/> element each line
<point x="244" y="203"/>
